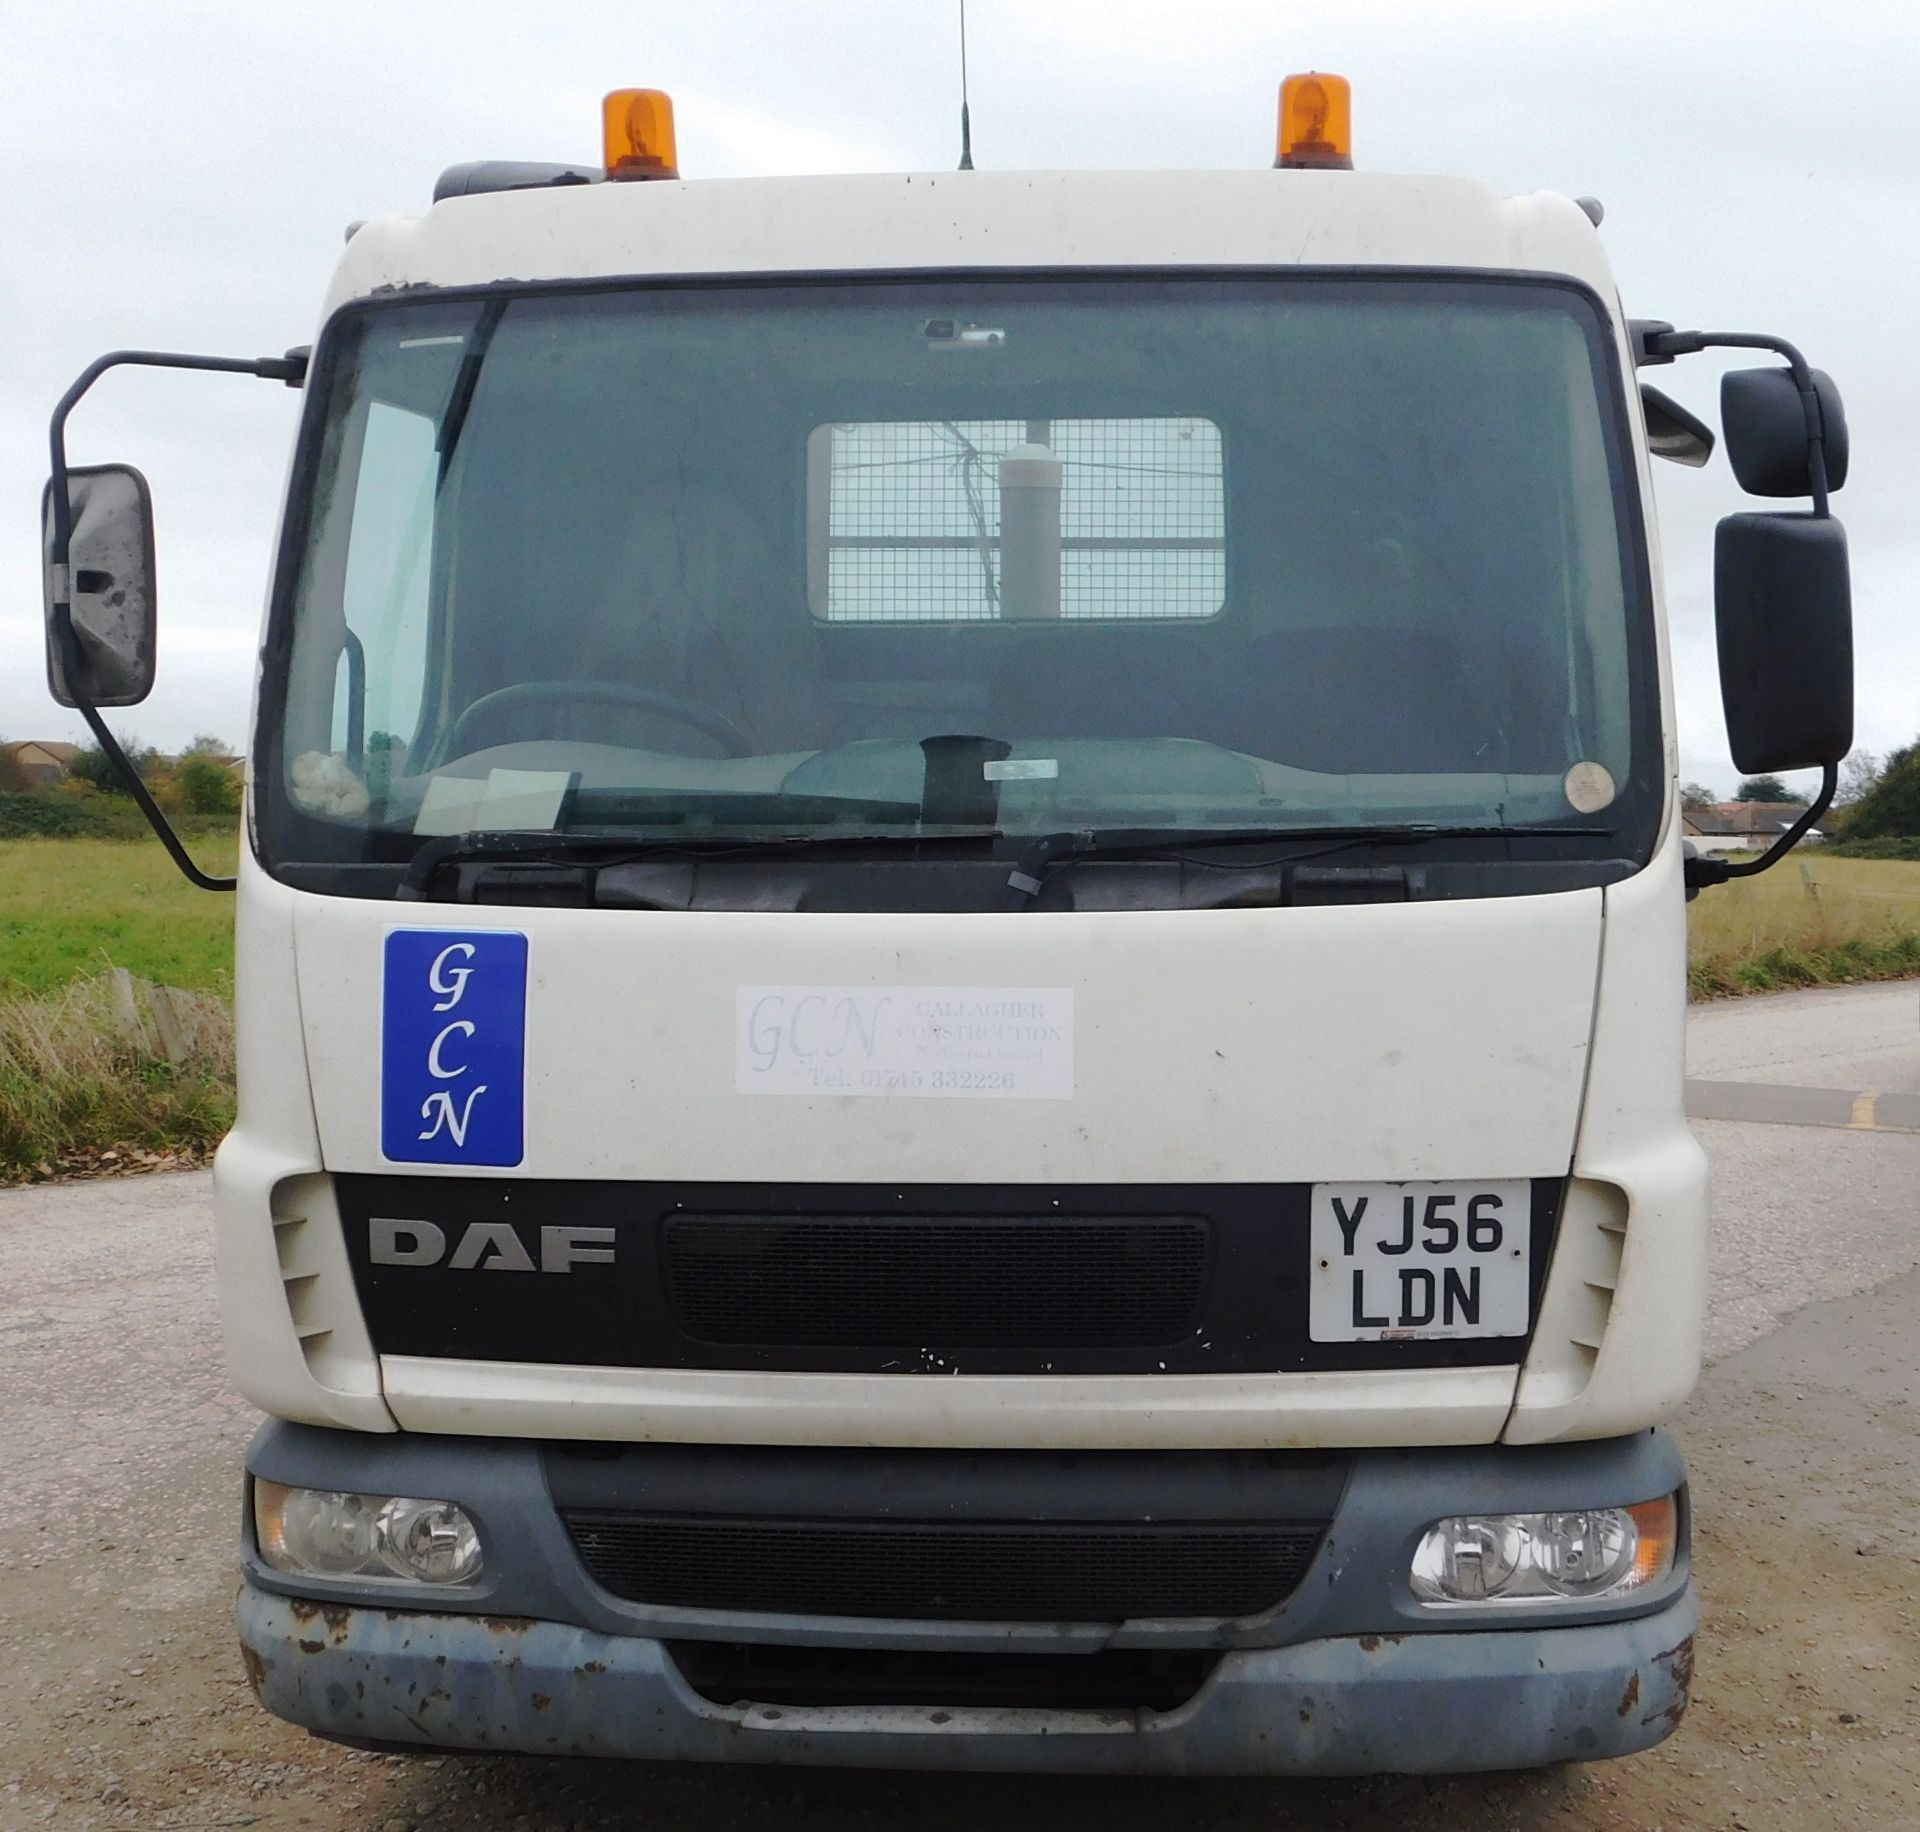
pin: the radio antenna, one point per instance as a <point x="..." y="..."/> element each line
<point x="966" y="122"/>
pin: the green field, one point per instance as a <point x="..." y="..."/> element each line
<point x="70" y="909"/>
<point x="90" y="1076"/>
<point x="1814" y="920"/>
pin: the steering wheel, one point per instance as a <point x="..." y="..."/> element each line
<point x="705" y="719"/>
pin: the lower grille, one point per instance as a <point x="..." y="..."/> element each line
<point x="935" y="1571"/>
<point x="1109" y="1679"/>
<point x="933" y="1285"/>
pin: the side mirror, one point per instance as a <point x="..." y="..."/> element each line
<point x="1765" y="423"/>
<point x="1672" y="432"/>
<point x="1783" y="612"/>
<point x="109" y="583"/>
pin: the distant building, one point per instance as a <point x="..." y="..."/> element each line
<point x="1744" y="826"/>
<point x="40" y="762"/>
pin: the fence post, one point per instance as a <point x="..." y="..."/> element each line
<point x="127" y="1020"/>
<point x="176" y="1038"/>
<point x="1807" y="878"/>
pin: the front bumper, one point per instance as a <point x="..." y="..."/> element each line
<point x="1417" y="1703"/>
<point x="1347" y="1674"/>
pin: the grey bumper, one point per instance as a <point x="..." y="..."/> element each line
<point x="1412" y="1703"/>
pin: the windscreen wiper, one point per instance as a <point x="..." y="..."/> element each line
<point x="453" y="421"/>
<point x="592" y="851"/>
<point x="587" y="853"/>
<point x="1050" y="850"/>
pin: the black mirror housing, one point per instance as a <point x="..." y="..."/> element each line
<point x="1784" y="618"/>
<point x="108" y="583"/>
<point x="1764" y="422"/>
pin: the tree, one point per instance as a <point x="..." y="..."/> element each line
<point x="205" y="785"/>
<point x="1763" y="789"/>
<point x="95" y="768"/>
<point x="203" y="745"/>
<point x="1891" y="808"/>
<point x="1697" y="798"/>
<point x="92" y="767"/>
<point x="1858" y="773"/>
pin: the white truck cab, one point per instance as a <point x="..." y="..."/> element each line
<point x="961" y="962"/>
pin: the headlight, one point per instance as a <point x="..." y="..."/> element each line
<point x="389" y="1539"/>
<point x="1577" y="1556"/>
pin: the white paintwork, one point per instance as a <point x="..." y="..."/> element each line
<point x="1353" y="1039"/>
<point x="932" y="220"/>
<point x="1376" y="1042"/>
<point x="1436" y="1040"/>
<point x="328" y="1379"/>
<point x="1110" y="1412"/>
<point x="1650" y="1241"/>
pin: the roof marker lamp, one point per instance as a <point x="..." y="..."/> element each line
<point x="1589" y="1555"/>
<point x="1316" y="124"/>
<point x="637" y="134"/>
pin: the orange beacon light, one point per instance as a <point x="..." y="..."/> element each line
<point x="1316" y="124"/>
<point x="637" y="134"/>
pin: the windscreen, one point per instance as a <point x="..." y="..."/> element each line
<point x="934" y="557"/>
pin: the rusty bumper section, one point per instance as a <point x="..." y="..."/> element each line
<point x="1415" y="1703"/>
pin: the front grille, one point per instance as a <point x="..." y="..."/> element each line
<point x="975" y="1572"/>
<point x="915" y="1281"/>
<point x="928" y="1286"/>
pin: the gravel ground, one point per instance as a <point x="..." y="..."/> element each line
<point x="127" y="1707"/>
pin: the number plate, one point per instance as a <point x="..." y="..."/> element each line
<point x="1419" y="1262"/>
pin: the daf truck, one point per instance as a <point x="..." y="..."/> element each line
<point x="961" y="960"/>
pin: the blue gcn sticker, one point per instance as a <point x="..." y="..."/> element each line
<point x="454" y="1046"/>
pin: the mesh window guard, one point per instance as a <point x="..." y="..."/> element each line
<point x="909" y="517"/>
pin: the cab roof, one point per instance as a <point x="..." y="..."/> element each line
<point x="934" y="221"/>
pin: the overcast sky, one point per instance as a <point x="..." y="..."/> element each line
<point x="179" y="176"/>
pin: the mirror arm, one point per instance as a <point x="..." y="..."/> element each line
<point x="291" y="369"/>
<point x="73" y="663"/>
<point x="1703" y="870"/>
<point x="1657" y="344"/>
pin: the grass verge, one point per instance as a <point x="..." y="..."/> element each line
<point x="1843" y="963"/>
<point x="109" y="1074"/>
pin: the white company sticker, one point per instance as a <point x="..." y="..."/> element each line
<point x="909" y="1042"/>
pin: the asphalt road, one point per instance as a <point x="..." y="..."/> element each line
<point x="123" y="1447"/>
<point x="1860" y="1037"/>
<point x="1806" y="1212"/>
